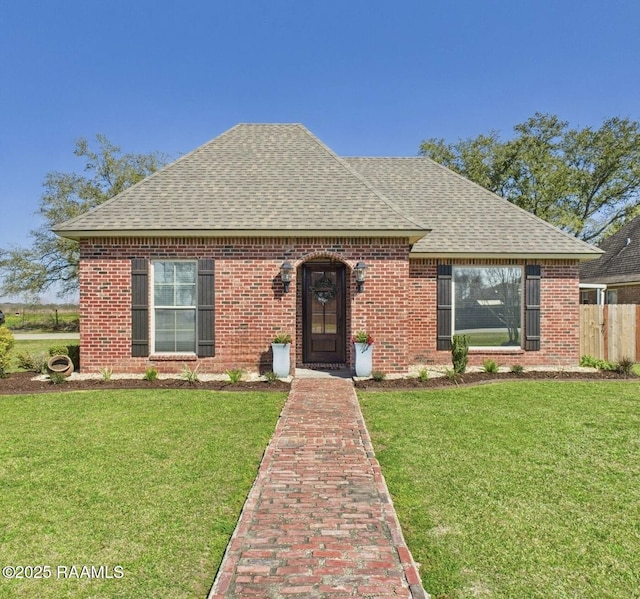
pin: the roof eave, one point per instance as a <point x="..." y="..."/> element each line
<point x="413" y="235"/>
<point x="580" y="256"/>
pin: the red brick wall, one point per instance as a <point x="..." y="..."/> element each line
<point x="559" y="316"/>
<point x="398" y="305"/>
<point x="250" y="305"/>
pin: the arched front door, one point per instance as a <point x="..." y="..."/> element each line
<point x="323" y="309"/>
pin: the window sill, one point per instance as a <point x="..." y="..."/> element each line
<point x="186" y="357"/>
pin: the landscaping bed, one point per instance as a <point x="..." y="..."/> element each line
<point x="478" y="378"/>
<point x="25" y="383"/>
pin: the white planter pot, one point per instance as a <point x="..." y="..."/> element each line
<point x="281" y="359"/>
<point x="364" y="359"/>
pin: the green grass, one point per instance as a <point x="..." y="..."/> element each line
<point x="152" y="481"/>
<point x="517" y="490"/>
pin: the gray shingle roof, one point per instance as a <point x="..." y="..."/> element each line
<point x="273" y="179"/>
<point x="251" y="178"/>
<point x="464" y="217"/>
<point x="621" y="260"/>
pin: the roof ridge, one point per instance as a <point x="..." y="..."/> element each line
<point x="364" y="181"/>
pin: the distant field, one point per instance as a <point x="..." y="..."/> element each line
<point x="41" y="318"/>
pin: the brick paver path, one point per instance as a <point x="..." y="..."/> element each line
<point x="318" y="521"/>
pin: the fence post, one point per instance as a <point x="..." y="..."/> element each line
<point x="637" y="307"/>
<point x="605" y="330"/>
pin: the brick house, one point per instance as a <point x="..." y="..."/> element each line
<point x="614" y="278"/>
<point x="187" y="266"/>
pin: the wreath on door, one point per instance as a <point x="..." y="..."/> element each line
<point x="324" y="290"/>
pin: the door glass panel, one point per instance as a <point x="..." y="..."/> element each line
<point x="317" y="322"/>
<point x="324" y="317"/>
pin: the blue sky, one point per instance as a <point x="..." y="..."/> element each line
<point x="368" y="77"/>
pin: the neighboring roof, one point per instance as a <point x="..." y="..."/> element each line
<point x="621" y="260"/>
<point x="280" y="180"/>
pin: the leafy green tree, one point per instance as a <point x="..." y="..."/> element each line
<point x="50" y="261"/>
<point x="585" y="181"/>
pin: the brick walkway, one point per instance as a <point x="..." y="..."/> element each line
<point x="318" y="521"/>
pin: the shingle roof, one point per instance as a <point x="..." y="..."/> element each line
<point x="279" y="179"/>
<point x="464" y="217"/>
<point x="621" y="260"/>
<point x="251" y="178"/>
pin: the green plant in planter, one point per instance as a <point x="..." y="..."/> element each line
<point x="362" y="337"/>
<point x="282" y="338"/>
<point x="460" y="353"/>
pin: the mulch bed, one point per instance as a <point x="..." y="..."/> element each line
<point x="22" y="383"/>
<point x="479" y="378"/>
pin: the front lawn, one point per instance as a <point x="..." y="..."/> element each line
<point x="516" y="490"/>
<point x="151" y="481"/>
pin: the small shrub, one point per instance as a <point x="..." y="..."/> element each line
<point x="452" y="375"/>
<point x="189" y="375"/>
<point x="489" y="365"/>
<point x="624" y="366"/>
<point x="270" y="376"/>
<point x="106" y="373"/>
<point x="377" y="375"/>
<point x="150" y="374"/>
<point x="234" y="374"/>
<point x="517" y="369"/>
<point x="57" y="378"/>
<point x="59" y="350"/>
<point x="423" y="375"/>
<point x="36" y="362"/>
<point x="7" y="342"/>
<point x="460" y="353"/>
<point x="591" y="362"/>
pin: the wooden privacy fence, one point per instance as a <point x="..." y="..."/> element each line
<point x="610" y="332"/>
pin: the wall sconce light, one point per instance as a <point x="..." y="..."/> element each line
<point x="359" y="270"/>
<point x="285" y="273"/>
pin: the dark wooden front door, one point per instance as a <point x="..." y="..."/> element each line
<point x="323" y="324"/>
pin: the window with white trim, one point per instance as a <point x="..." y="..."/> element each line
<point x="174" y="306"/>
<point x="487" y="305"/>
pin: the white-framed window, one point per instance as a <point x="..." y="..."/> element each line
<point x="584" y="297"/>
<point x="487" y="305"/>
<point x="612" y="296"/>
<point x="174" y="306"/>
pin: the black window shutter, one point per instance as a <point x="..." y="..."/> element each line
<point x="444" y="307"/>
<point x="139" y="307"/>
<point x="532" y="307"/>
<point x="206" y="324"/>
